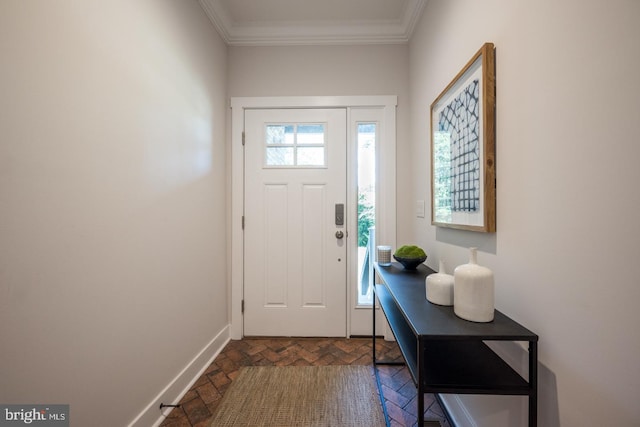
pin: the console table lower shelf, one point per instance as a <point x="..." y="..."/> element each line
<point x="448" y="355"/>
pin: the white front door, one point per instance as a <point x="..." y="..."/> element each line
<point x="295" y="222"/>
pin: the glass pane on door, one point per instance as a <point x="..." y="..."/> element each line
<point x="294" y="145"/>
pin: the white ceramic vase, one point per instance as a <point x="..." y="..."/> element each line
<point x="473" y="294"/>
<point x="439" y="287"/>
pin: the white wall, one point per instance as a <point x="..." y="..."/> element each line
<point x="319" y="70"/>
<point x="565" y="253"/>
<point x="112" y="201"/>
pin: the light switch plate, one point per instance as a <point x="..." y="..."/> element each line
<point x="420" y="208"/>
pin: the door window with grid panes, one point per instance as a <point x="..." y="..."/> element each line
<point x="295" y="145"/>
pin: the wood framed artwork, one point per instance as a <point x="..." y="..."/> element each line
<point x="463" y="184"/>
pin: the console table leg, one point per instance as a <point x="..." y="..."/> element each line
<point x="373" y="333"/>
<point x="420" y="397"/>
<point x="533" y="383"/>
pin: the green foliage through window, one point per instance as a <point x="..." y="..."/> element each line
<point x="366" y="219"/>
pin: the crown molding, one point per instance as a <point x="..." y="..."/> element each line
<point x="396" y="31"/>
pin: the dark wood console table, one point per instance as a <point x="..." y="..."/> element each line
<point x="444" y="353"/>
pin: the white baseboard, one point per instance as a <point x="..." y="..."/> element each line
<point x="459" y="414"/>
<point x="181" y="384"/>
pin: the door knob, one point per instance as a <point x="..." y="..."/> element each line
<point x="339" y="234"/>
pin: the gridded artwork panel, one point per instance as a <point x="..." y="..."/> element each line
<point x="461" y="120"/>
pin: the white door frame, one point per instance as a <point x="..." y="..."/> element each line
<point x="386" y="190"/>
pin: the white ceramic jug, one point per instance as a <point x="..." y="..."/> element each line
<point x="473" y="291"/>
<point x="439" y="287"/>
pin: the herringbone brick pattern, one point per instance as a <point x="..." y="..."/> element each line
<point x="198" y="405"/>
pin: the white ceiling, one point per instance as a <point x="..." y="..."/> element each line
<point x="298" y="22"/>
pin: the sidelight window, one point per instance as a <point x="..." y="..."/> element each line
<point x="366" y="142"/>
